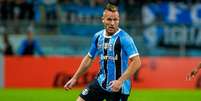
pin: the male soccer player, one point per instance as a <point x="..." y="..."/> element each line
<point x="114" y="47"/>
<point x="194" y="72"/>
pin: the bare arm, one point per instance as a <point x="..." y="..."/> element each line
<point x="85" y="64"/>
<point x="132" y="68"/>
<point x="194" y="72"/>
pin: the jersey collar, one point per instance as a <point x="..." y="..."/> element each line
<point x="104" y="33"/>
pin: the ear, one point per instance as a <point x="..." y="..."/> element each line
<point x="103" y="19"/>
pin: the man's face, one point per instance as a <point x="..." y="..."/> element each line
<point x="30" y="36"/>
<point x="110" y="21"/>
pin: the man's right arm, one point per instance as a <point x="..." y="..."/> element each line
<point x="194" y="72"/>
<point x="85" y="64"/>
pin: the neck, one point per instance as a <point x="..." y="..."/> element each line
<point x="110" y="34"/>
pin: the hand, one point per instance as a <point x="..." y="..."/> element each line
<point x="70" y="84"/>
<point x="116" y="85"/>
<point x="192" y="74"/>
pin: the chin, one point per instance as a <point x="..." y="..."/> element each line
<point x="111" y="32"/>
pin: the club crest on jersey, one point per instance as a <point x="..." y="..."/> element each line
<point x="106" y="45"/>
<point x="85" y="91"/>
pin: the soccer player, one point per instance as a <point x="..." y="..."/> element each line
<point x="194" y="72"/>
<point x="114" y="47"/>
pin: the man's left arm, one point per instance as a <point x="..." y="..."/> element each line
<point x="132" y="68"/>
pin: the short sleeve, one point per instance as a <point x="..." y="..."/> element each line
<point x="93" y="48"/>
<point x="129" y="46"/>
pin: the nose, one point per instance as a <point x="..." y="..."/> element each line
<point x="112" y="22"/>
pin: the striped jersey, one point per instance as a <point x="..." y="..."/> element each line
<point x="114" y="52"/>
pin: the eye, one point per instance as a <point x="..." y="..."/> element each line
<point x="115" y="19"/>
<point x="109" y="19"/>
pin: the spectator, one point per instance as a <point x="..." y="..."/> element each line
<point x="30" y="9"/>
<point x="7" y="48"/>
<point x="24" y="9"/>
<point x="6" y="9"/>
<point x="19" y="10"/>
<point x="30" y="46"/>
<point x="50" y="13"/>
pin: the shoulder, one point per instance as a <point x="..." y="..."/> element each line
<point x="97" y="34"/>
<point x="124" y="35"/>
<point x="24" y="41"/>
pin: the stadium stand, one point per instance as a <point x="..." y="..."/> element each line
<point x="155" y="27"/>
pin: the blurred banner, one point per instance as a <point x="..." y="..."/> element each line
<point x="172" y="13"/>
<point x="180" y="27"/>
<point x="48" y="72"/>
<point x="43" y="72"/>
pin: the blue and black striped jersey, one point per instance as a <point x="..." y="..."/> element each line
<point x="114" y="52"/>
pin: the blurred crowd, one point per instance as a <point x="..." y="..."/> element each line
<point x="28" y="9"/>
<point x="15" y="12"/>
<point x="151" y="20"/>
<point x="29" y="46"/>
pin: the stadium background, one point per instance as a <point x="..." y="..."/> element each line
<point x="167" y="34"/>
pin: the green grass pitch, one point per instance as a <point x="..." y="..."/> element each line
<point x="62" y="95"/>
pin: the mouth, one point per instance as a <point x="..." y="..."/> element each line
<point x="111" y="28"/>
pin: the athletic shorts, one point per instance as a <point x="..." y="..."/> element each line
<point x="94" y="92"/>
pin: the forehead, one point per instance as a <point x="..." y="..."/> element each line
<point x="108" y="13"/>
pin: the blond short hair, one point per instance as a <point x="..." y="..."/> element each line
<point x="111" y="7"/>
